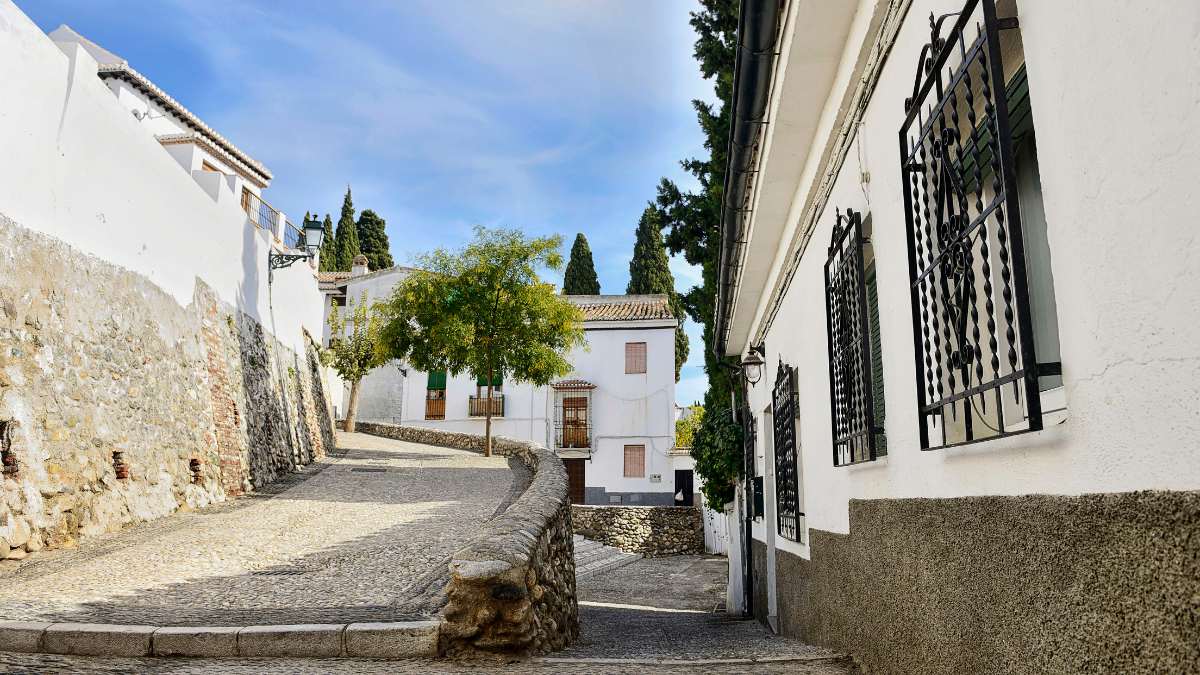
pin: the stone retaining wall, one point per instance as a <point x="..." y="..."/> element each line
<point x="650" y="530"/>
<point x="512" y="587"/>
<point x="118" y="405"/>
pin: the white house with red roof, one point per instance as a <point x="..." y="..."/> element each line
<point x="612" y="420"/>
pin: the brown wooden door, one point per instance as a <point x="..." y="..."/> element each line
<point x="575" y="479"/>
<point x="575" y="422"/>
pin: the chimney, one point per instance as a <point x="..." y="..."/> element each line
<point x="359" y="266"/>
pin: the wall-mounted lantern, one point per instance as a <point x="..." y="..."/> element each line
<point x="752" y="365"/>
<point x="314" y="232"/>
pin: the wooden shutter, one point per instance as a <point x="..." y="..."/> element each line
<point x="635" y="357"/>
<point x="635" y="461"/>
<point x="437" y="380"/>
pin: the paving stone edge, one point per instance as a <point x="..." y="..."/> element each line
<point x="386" y="640"/>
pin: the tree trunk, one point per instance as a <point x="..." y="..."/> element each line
<point x="352" y="407"/>
<point x="487" y="425"/>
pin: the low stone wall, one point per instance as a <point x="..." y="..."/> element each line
<point x="512" y="587"/>
<point x="118" y="405"/>
<point x="446" y="439"/>
<point x="650" y="530"/>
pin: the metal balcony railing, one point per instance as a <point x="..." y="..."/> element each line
<point x="435" y="408"/>
<point x="477" y="406"/>
<point x="573" y="435"/>
<point x="293" y="238"/>
<point x="263" y="215"/>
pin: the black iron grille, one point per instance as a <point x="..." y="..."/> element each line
<point x="787" y="475"/>
<point x="975" y="362"/>
<point x="850" y="388"/>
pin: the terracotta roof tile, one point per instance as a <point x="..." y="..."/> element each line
<point x="622" y="307"/>
<point x="332" y="276"/>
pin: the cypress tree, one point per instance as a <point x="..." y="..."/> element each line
<point x="347" y="235"/>
<point x="328" y="247"/>
<point x="580" y="277"/>
<point x="650" y="272"/>
<point x="373" y="240"/>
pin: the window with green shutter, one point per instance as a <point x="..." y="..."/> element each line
<point x="497" y="380"/>
<point x="876" y="360"/>
<point x="437" y="380"/>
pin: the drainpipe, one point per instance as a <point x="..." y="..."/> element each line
<point x="758" y="28"/>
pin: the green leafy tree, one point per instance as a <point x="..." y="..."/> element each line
<point x="717" y="449"/>
<point x="373" y="240"/>
<point x="580" y="277"/>
<point x="692" y="222"/>
<point x="650" y="272"/>
<point x="686" y="426"/>
<point x="354" y="349"/>
<point x="347" y="235"/>
<point x="484" y="310"/>
<point x="329" y="260"/>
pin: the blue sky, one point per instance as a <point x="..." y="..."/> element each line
<point x="551" y="116"/>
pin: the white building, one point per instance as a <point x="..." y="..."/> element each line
<point x="218" y="165"/>
<point x="972" y="270"/>
<point x="612" y="420"/>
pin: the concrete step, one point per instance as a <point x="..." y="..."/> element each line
<point x="592" y="558"/>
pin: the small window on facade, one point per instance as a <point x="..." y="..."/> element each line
<point x="984" y="317"/>
<point x="205" y="166"/>
<point x="635" y="357"/>
<point x="247" y="198"/>
<point x="852" y="381"/>
<point x="635" y="461"/>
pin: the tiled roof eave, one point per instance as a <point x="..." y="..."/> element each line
<point x="129" y="74"/>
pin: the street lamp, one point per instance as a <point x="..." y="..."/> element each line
<point x="752" y="365"/>
<point x="314" y="232"/>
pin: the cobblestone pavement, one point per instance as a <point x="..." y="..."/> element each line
<point x="344" y="541"/>
<point x="654" y="616"/>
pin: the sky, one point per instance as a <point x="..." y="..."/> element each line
<point x="545" y="115"/>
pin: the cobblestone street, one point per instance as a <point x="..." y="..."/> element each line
<point x="654" y="616"/>
<point x="362" y="536"/>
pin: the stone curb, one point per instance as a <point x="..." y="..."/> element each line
<point x="391" y="640"/>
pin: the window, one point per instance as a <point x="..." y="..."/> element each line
<point x="205" y="166"/>
<point x="856" y="429"/>
<point x="983" y="305"/>
<point x="635" y="461"/>
<point x="635" y="357"/>
<point x="435" y="396"/>
<point x="481" y="385"/>
<point x="575" y="427"/>
<point x="247" y="198"/>
<point x="789" y="513"/>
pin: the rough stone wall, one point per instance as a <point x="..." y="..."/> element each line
<point x="1032" y="584"/>
<point x="650" y="530"/>
<point x="117" y="404"/>
<point x="512" y="588"/>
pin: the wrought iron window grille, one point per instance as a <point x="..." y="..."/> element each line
<point x="976" y="366"/>
<point x="855" y="432"/>
<point x="788" y="508"/>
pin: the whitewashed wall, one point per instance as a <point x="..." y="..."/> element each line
<point x="1113" y="95"/>
<point x="80" y="168"/>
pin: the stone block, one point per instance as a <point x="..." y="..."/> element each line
<point x="21" y="636"/>
<point x="97" y="639"/>
<point x="196" y="641"/>
<point x="396" y="640"/>
<point x="311" y="640"/>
